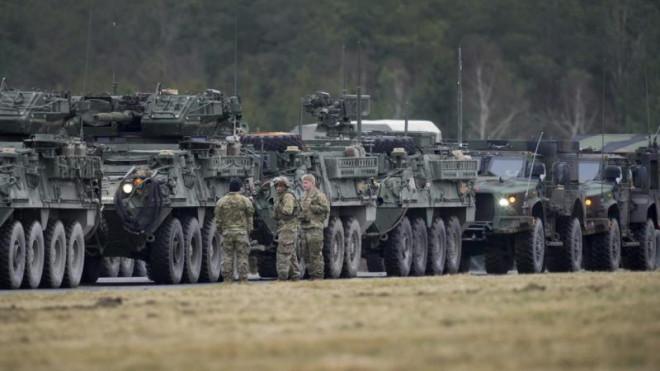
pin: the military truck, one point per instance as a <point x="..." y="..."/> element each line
<point x="344" y="172"/>
<point x="165" y="169"/>
<point x="50" y="192"/>
<point x="622" y="202"/>
<point x="425" y="199"/>
<point x="530" y="208"/>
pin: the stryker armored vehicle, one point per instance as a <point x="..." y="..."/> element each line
<point x="622" y="202"/>
<point x="530" y="208"/>
<point x="344" y="172"/>
<point x="165" y="168"/>
<point x="49" y="190"/>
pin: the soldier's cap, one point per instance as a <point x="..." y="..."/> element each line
<point x="282" y="180"/>
<point x="235" y="185"/>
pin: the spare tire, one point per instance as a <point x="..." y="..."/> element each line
<point x="273" y="141"/>
<point x="385" y="144"/>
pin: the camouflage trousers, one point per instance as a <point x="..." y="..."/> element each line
<point x="235" y="243"/>
<point x="287" y="258"/>
<point x="312" y="249"/>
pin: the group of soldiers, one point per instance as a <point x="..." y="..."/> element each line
<point x="234" y="217"/>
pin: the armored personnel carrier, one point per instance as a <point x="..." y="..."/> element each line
<point x="530" y="208"/>
<point x="622" y="202"/>
<point x="50" y="192"/>
<point x="344" y="172"/>
<point x="166" y="164"/>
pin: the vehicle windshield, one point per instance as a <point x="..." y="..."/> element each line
<point x="588" y="170"/>
<point x="506" y="167"/>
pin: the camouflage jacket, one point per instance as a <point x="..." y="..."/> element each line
<point x="234" y="212"/>
<point x="285" y="211"/>
<point x="314" y="209"/>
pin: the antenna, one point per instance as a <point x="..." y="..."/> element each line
<point x="343" y="67"/>
<point x="235" y="56"/>
<point x="459" y="100"/>
<point x="405" y="128"/>
<point x="89" y="36"/>
<point x="531" y="169"/>
<point x="648" y="112"/>
<point x="114" y="57"/>
<point x="602" y="130"/>
<point x="300" y="118"/>
<point x="359" y="98"/>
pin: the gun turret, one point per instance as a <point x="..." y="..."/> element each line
<point x="335" y="115"/>
<point x="24" y="113"/>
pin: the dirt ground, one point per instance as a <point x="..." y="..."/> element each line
<point x="584" y="321"/>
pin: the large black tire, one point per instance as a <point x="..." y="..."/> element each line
<point x="497" y="259"/>
<point x="12" y="255"/>
<point x="34" y="256"/>
<point x="140" y="269"/>
<point x="54" y="255"/>
<point x="387" y="143"/>
<point x="454" y="246"/>
<point x="352" y="248"/>
<point x="375" y="261"/>
<point x="420" y="247"/>
<point x="333" y="248"/>
<point x="398" y="250"/>
<point x="266" y="264"/>
<point x="126" y="267"/>
<point x="530" y="249"/>
<point x="273" y="142"/>
<point x="192" y="236"/>
<point x="567" y="258"/>
<point x="167" y="253"/>
<point x="437" y="237"/>
<point x="91" y="270"/>
<point x="642" y="257"/>
<point x="657" y="247"/>
<point x="211" y="252"/>
<point x="110" y="266"/>
<point x="605" y="249"/>
<point x="75" y="254"/>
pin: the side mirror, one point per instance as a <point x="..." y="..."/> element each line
<point x="640" y="177"/>
<point x="562" y="173"/>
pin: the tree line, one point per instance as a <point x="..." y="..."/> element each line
<point x="564" y="67"/>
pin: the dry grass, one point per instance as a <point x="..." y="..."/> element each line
<point x="546" y="322"/>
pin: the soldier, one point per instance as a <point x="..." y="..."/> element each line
<point x="285" y="210"/>
<point x="314" y="210"/>
<point x="233" y="215"/>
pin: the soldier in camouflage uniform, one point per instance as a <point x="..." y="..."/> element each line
<point x="233" y="215"/>
<point x="285" y="210"/>
<point x="314" y="210"/>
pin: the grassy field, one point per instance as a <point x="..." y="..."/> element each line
<point x="580" y="321"/>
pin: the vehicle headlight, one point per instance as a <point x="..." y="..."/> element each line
<point x="588" y="202"/>
<point x="127" y="188"/>
<point x="504" y="202"/>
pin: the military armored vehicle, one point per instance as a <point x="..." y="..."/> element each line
<point x="530" y="208"/>
<point x="50" y="192"/>
<point x="622" y="202"/>
<point x="425" y="199"/>
<point x="344" y="172"/>
<point x="165" y="168"/>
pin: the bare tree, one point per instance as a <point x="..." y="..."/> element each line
<point x="578" y="106"/>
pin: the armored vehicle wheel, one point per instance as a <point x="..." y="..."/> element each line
<point x="333" y="248"/>
<point x="454" y="246"/>
<point x="567" y="258"/>
<point x="352" y="248"/>
<point x="75" y="254"/>
<point x="266" y="265"/>
<point x="398" y="250"/>
<point x="110" y="266"/>
<point x="606" y="249"/>
<point x="12" y="255"/>
<point x="375" y="261"/>
<point x="420" y="247"/>
<point x="273" y="142"/>
<point x="530" y="249"/>
<point x="54" y="255"/>
<point x="91" y="270"/>
<point x="192" y="236"/>
<point x="34" y="256"/>
<point x="437" y="236"/>
<point x="642" y="257"/>
<point x="168" y="253"/>
<point x="140" y="269"/>
<point x="211" y="252"/>
<point x="126" y="267"/>
<point x="497" y="260"/>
